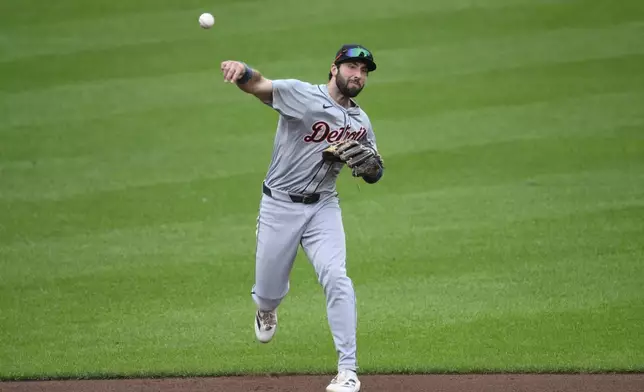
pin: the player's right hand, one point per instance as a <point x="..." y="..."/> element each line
<point x="232" y="70"/>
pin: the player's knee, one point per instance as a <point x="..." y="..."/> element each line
<point x="334" y="280"/>
<point x="267" y="301"/>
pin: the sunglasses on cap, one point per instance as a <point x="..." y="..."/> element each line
<point x="354" y="52"/>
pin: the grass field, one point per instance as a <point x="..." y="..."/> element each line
<point x="506" y="235"/>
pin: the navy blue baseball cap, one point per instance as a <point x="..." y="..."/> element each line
<point x="355" y="52"/>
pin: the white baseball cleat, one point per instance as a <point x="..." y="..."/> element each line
<point x="265" y="325"/>
<point x="345" y="381"/>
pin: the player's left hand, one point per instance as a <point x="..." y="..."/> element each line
<point x="347" y="151"/>
<point x="362" y="159"/>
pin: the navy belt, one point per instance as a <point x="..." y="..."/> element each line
<point x="295" y="198"/>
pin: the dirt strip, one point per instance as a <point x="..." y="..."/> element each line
<point x="373" y="383"/>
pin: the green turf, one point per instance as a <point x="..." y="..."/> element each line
<point x="506" y="235"/>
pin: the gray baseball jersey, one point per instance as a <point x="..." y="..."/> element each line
<point x="309" y="121"/>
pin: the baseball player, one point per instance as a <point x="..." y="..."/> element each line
<point x="320" y="129"/>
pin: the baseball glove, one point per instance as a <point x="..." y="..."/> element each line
<point x="360" y="158"/>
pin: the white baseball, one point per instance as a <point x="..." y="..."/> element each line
<point x="206" y="20"/>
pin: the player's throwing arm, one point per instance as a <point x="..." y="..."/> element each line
<point x="247" y="79"/>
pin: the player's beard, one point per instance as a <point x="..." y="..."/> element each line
<point x="343" y="86"/>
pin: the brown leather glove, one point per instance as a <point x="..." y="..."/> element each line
<point x="360" y="158"/>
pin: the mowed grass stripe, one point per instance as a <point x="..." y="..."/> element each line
<point x="521" y="85"/>
<point x="82" y="101"/>
<point x="95" y="253"/>
<point x="448" y="210"/>
<point x="547" y="47"/>
<point x="611" y="115"/>
<point x="173" y="24"/>
<point x="16" y="13"/>
<point x="180" y="202"/>
<point x="130" y="207"/>
<point x="203" y="126"/>
<point x="146" y="163"/>
<point x="465" y="202"/>
<point x="510" y="244"/>
<point x="574" y="81"/>
<point x="553" y="341"/>
<point x="207" y="126"/>
<point x="67" y="11"/>
<point x="130" y="59"/>
<point x="199" y="242"/>
<point x="107" y="97"/>
<point x="141" y="148"/>
<point x="461" y="296"/>
<point x="504" y="161"/>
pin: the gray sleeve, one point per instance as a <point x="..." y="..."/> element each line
<point x="290" y="97"/>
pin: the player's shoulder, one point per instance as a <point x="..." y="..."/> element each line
<point x="295" y="84"/>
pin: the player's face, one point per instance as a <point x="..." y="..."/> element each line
<point x="351" y="78"/>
